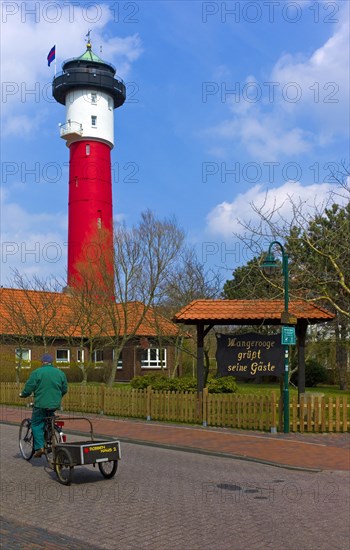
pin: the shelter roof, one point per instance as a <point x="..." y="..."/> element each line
<point x="249" y="312"/>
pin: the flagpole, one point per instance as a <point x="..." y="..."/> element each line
<point x="55" y="62"/>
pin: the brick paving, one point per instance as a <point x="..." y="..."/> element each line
<point x="15" y="535"/>
<point x="164" y="498"/>
<point x="308" y="451"/>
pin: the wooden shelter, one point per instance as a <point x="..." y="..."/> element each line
<point x="206" y="314"/>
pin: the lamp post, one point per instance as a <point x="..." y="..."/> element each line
<point x="269" y="266"/>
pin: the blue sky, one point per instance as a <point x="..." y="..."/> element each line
<point x="229" y="103"/>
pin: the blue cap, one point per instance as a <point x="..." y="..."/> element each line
<point x="47" y="358"/>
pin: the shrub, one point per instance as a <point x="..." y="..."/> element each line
<point x="315" y="373"/>
<point x="186" y="383"/>
<point x="9" y="370"/>
<point x="73" y="373"/>
<point x="142" y="382"/>
<point x="224" y="384"/>
<point x="161" y="382"/>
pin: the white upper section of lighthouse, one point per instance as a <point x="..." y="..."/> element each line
<point x="90" y="91"/>
<point x="89" y="115"/>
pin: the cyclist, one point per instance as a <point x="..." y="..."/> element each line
<point x="49" y="385"/>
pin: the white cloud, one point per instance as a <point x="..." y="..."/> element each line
<point x="302" y="104"/>
<point x="26" y="41"/>
<point x="224" y="219"/>
<point x="265" y="136"/>
<point x="322" y="80"/>
<point x="33" y="243"/>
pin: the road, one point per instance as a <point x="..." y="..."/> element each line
<point x="163" y="498"/>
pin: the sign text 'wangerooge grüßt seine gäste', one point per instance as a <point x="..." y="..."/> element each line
<point x="249" y="355"/>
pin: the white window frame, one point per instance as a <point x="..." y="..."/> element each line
<point x="149" y="363"/>
<point x="93" y="357"/>
<point x="94" y="121"/>
<point x="82" y="351"/>
<point x="19" y="356"/>
<point x="120" y="360"/>
<point x="67" y="360"/>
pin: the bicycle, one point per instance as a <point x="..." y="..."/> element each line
<point x="53" y="434"/>
<point x="63" y="457"/>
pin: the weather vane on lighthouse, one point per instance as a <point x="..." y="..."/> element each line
<point x="90" y="91"/>
<point x="88" y="42"/>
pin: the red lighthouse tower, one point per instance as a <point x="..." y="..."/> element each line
<point x="89" y="89"/>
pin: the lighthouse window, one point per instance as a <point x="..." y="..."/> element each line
<point x="93" y="120"/>
<point x="93" y="98"/>
<point x="110" y="103"/>
<point x="87" y="149"/>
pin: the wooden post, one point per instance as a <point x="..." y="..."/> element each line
<point x="295" y="414"/>
<point x="148" y="406"/>
<point x="200" y="358"/>
<point x="301" y="412"/>
<point x="337" y="414"/>
<point x="273" y="413"/>
<point x="102" y="399"/>
<point x="301" y="329"/>
<point x="205" y="407"/>
<point x="345" y="414"/>
<point x="280" y="407"/>
<point x="330" y="414"/>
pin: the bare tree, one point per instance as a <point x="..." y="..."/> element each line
<point x="31" y="313"/>
<point x="144" y="256"/>
<point x="86" y="325"/>
<point x="316" y="241"/>
<point x="190" y="280"/>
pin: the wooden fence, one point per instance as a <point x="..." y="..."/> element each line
<point x="252" y="412"/>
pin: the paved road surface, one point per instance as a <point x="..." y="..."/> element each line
<point x="164" y="499"/>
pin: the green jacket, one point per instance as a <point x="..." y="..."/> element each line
<point x="48" y="384"/>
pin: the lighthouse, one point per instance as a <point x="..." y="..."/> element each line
<point x="90" y="91"/>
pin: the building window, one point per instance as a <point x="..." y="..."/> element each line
<point x="120" y="359"/>
<point x="97" y="356"/>
<point x="94" y="98"/>
<point x="23" y="356"/>
<point x="153" y="358"/>
<point x="80" y="356"/>
<point x="93" y="120"/>
<point x="87" y="149"/>
<point x="62" y="356"/>
<point x="110" y="104"/>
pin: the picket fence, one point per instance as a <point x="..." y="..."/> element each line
<point x="316" y="414"/>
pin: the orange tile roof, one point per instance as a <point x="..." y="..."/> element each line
<point x="249" y="312"/>
<point x="56" y="314"/>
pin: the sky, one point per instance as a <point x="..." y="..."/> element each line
<point x="229" y="104"/>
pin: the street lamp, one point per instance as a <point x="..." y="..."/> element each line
<point x="269" y="265"/>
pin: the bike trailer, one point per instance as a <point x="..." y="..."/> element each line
<point x="92" y="452"/>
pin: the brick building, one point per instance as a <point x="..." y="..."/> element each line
<point x="78" y="330"/>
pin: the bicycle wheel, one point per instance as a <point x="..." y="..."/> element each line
<point x="108" y="469"/>
<point x="26" y="439"/>
<point x="57" y="438"/>
<point x="64" y="467"/>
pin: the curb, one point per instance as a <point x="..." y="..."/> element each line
<point x="194" y="450"/>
